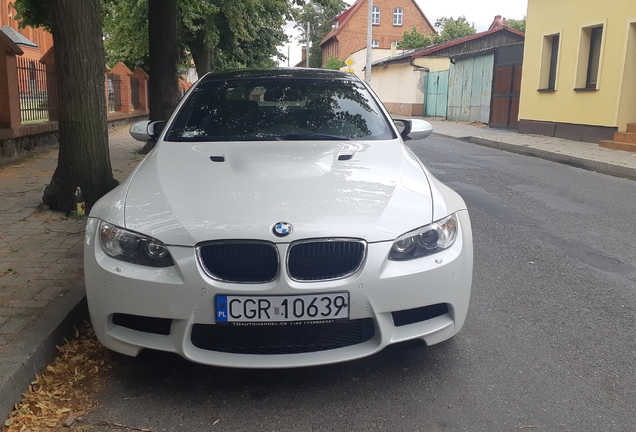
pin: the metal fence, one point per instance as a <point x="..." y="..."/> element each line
<point x="114" y="93"/>
<point x="134" y="93"/>
<point x="36" y="87"/>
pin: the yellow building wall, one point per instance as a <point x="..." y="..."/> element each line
<point x="403" y="83"/>
<point x="401" y="86"/>
<point x="397" y="83"/>
<point x="360" y="59"/>
<point x="627" y="103"/>
<point x="613" y="104"/>
<point x="434" y="64"/>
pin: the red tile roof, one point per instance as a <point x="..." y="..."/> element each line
<point x="341" y="20"/>
<point x="498" y="22"/>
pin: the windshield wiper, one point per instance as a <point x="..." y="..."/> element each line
<point x="299" y="137"/>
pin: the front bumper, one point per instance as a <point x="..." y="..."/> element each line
<point x="183" y="296"/>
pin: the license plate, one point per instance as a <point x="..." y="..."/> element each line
<point x="282" y="309"/>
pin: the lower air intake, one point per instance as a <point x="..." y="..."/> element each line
<point x="412" y="316"/>
<point x="160" y="326"/>
<point x="282" y="339"/>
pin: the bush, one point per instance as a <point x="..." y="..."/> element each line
<point x="333" y="63"/>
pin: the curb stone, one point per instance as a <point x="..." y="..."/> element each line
<point x="578" y="162"/>
<point x="575" y="161"/>
<point x="29" y="354"/>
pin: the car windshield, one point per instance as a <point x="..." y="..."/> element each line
<point x="279" y="109"/>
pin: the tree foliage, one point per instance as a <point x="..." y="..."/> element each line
<point x="414" y="39"/>
<point x="519" y="25"/>
<point x="448" y="29"/>
<point x="216" y="34"/>
<point x="126" y="20"/>
<point x="319" y="15"/>
<point x="33" y="13"/>
<point x="333" y="63"/>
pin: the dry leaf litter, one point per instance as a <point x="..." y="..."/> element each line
<point x="64" y="392"/>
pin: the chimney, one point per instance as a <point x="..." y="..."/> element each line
<point x="393" y="48"/>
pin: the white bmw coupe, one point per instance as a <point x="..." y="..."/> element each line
<point x="280" y="221"/>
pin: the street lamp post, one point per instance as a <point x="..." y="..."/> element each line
<point x="367" y="75"/>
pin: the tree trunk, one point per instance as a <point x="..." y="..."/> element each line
<point x="84" y="158"/>
<point x="163" y="87"/>
<point x="202" y="54"/>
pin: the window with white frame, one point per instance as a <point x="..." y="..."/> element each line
<point x="375" y="43"/>
<point x="398" y="13"/>
<point x="375" y="17"/>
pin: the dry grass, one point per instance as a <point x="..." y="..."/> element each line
<point x="65" y="389"/>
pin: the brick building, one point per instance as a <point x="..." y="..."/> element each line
<point x="390" y="19"/>
<point x="34" y="42"/>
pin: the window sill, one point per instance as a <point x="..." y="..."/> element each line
<point x="585" y="89"/>
<point x="546" y="90"/>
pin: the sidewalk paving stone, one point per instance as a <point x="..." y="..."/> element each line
<point x="580" y="154"/>
<point x="41" y="266"/>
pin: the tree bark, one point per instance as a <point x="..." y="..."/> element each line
<point x="163" y="87"/>
<point x="84" y="158"/>
<point x="202" y="54"/>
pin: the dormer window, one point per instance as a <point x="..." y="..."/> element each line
<point x="398" y="13"/>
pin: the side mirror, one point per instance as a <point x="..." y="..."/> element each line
<point x="147" y="130"/>
<point x="414" y="128"/>
<point x="155" y="128"/>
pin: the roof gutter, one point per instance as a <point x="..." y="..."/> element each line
<point x="419" y="68"/>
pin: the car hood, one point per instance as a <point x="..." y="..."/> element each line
<point x="185" y="193"/>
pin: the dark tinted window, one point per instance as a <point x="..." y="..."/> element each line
<point x="290" y="109"/>
<point x="554" y="56"/>
<point x="595" y="56"/>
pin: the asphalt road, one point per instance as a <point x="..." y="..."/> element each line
<point x="548" y="345"/>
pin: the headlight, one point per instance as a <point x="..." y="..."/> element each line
<point x="128" y="246"/>
<point x="425" y="241"/>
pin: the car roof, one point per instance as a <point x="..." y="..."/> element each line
<point x="280" y="73"/>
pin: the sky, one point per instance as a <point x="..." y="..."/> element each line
<point x="481" y="13"/>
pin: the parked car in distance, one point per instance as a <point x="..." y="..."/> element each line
<point x="280" y="221"/>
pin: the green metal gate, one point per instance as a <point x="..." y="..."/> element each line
<point x="470" y="89"/>
<point x="436" y="97"/>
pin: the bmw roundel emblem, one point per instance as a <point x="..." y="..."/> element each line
<point x="282" y="229"/>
